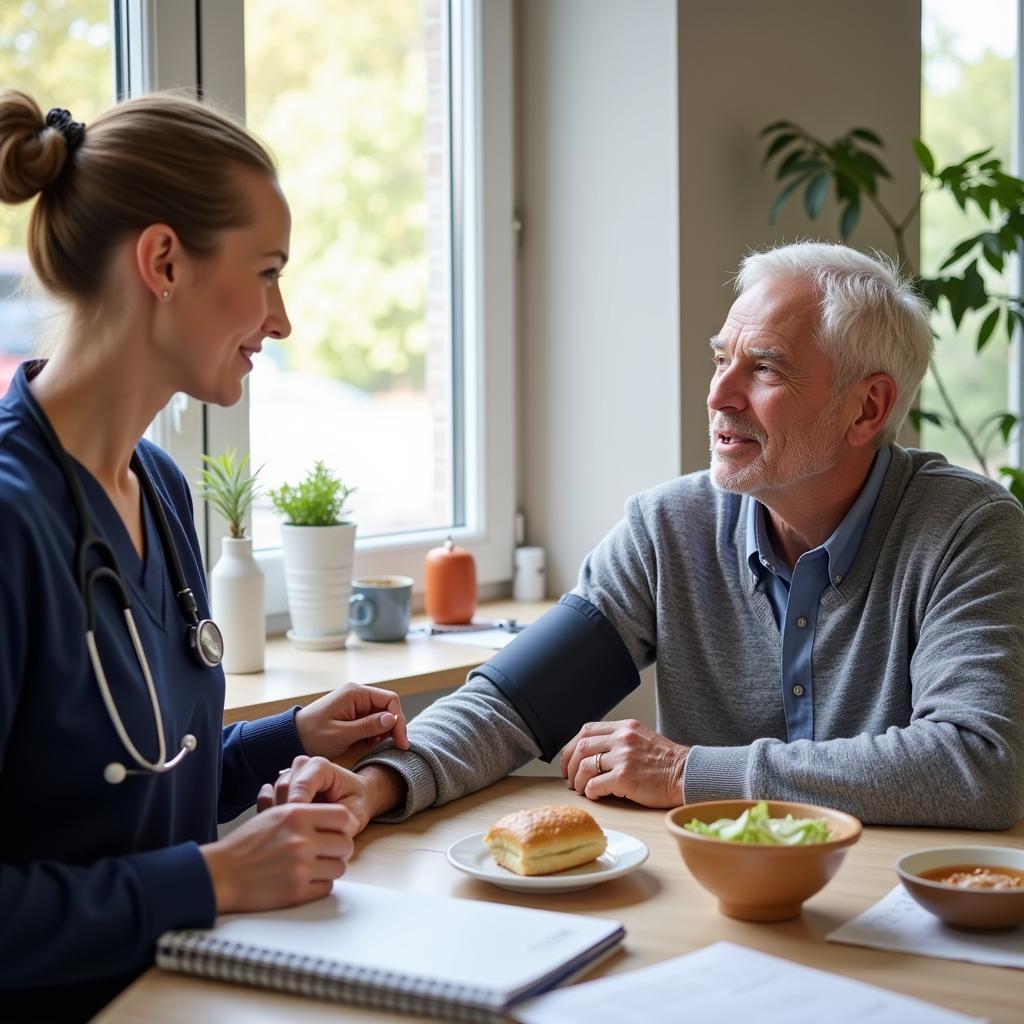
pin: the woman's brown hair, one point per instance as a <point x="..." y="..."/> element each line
<point x="158" y="159"/>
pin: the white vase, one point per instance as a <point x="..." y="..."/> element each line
<point x="318" y="578"/>
<point x="236" y="599"/>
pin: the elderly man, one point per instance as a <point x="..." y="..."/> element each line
<point x="835" y="619"/>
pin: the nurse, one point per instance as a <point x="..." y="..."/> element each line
<point x="162" y="232"/>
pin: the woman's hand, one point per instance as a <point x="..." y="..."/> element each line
<point x="290" y="855"/>
<point x="332" y="724"/>
<point x="315" y="779"/>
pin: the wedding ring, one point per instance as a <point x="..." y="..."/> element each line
<point x="597" y="762"/>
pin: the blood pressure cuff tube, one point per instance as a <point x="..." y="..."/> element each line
<point x="567" y="668"/>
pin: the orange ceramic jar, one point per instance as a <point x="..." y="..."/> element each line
<point x="450" y="580"/>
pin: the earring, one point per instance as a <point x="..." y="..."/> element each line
<point x="165" y="294"/>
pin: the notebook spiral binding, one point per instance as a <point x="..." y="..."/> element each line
<point x="197" y="953"/>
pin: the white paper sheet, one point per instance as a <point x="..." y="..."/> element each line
<point x="898" y="923"/>
<point x="725" y="982"/>
<point x="493" y="639"/>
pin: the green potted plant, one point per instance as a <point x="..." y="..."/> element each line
<point x="852" y="166"/>
<point x="319" y="545"/>
<point x="236" y="581"/>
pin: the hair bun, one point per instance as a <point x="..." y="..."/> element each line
<point x="32" y="153"/>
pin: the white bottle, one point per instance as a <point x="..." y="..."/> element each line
<point x="236" y="601"/>
<point x="528" y="581"/>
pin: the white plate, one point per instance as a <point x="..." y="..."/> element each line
<point x="625" y="853"/>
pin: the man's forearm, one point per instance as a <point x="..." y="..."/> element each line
<point x="458" y="745"/>
<point x="386" y="789"/>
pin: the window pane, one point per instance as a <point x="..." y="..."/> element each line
<point x="61" y="53"/>
<point x="966" y="105"/>
<point x="353" y="98"/>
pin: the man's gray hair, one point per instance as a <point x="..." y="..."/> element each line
<point x="870" y="318"/>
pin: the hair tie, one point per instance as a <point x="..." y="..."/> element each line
<point x="73" y="131"/>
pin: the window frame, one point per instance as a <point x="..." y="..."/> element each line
<point x="201" y="47"/>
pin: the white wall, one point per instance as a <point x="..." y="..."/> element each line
<point x="743" y="64"/>
<point x="598" y="265"/>
<point x="640" y="187"/>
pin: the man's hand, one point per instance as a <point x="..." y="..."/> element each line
<point x="332" y="724"/>
<point x="365" y="794"/>
<point x="636" y="763"/>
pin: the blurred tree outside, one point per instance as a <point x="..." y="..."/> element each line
<point x="60" y="53"/>
<point x="966" y="106"/>
<point x="338" y="90"/>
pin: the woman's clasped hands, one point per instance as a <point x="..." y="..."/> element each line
<point x="302" y="837"/>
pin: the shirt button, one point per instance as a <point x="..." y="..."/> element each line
<point x="801" y="622"/>
<point x="798" y="690"/>
<point x="838" y="579"/>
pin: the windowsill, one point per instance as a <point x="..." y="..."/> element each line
<point x="417" y="665"/>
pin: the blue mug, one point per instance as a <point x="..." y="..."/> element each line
<point x="380" y="607"/>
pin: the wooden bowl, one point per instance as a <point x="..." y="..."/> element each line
<point x="956" y="905"/>
<point x="755" y="882"/>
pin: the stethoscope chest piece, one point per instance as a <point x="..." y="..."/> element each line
<point x="206" y="642"/>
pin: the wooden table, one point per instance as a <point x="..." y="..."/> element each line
<point x="665" y="913"/>
<point x="419" y="664"/>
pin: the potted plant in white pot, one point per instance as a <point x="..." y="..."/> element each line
<point x="319" y="544"/>
<point x="236" y="581"/>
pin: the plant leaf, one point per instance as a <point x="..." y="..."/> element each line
<point x="977" y="156"/>
<point x="815" y="195"/>
<point x="975" y="293"/>
<point x="780" y="200"/>
<point x="775" y="126"/>
<point x="918" y="416"/>
<point x="992" y="251"/>
<point x="796" y="162"/>
<point x="924" y="157"/>
<point x="868" y="136"/>
<point x="779" y="143"/>
<point x="848" y="221"/>
<point x="1016" y="484"/>
<point x="961" y="250"/>
<point x="987" y="327"/>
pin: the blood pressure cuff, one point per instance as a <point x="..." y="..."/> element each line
<point x="567" y="668"/>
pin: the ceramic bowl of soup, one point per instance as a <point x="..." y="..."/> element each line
<point x="755" y="882"/>
<point x="967" y="886"/>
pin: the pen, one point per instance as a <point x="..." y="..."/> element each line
<point x="508" y="625"/>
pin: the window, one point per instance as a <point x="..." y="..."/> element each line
<point x="399" y="372"/>
<point x="61" y="52"/>
<point x="968" y="65"/>
<point x="359" y="118"/>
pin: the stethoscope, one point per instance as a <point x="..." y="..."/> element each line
<point x="202" y="636"/>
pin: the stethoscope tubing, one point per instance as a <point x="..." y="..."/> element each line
<point x="87" y="539"/>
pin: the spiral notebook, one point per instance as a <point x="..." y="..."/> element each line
<point x="390" y="949"/>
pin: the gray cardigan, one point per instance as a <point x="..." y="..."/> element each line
<point x="918" y="661"/>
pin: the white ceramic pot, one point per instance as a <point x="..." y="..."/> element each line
<point x="236" y="600"/>
<point x="318" y="578"/>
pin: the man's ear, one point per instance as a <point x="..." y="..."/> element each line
<point x="876" y="395"/>
<point x="159" y="257"/>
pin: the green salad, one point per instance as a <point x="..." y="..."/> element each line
<point x="754" y="826"/>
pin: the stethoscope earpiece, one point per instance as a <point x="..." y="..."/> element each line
<point x="115" y="772"/>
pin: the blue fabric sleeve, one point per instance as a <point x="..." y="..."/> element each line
<point x="567" y="668"/>
<point x="65" y="923"/>
<point x="254" y="753"/>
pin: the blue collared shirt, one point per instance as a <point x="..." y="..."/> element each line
<point x="794" y="594"/>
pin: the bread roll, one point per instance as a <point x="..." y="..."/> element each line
<point x="543" y="840"/>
